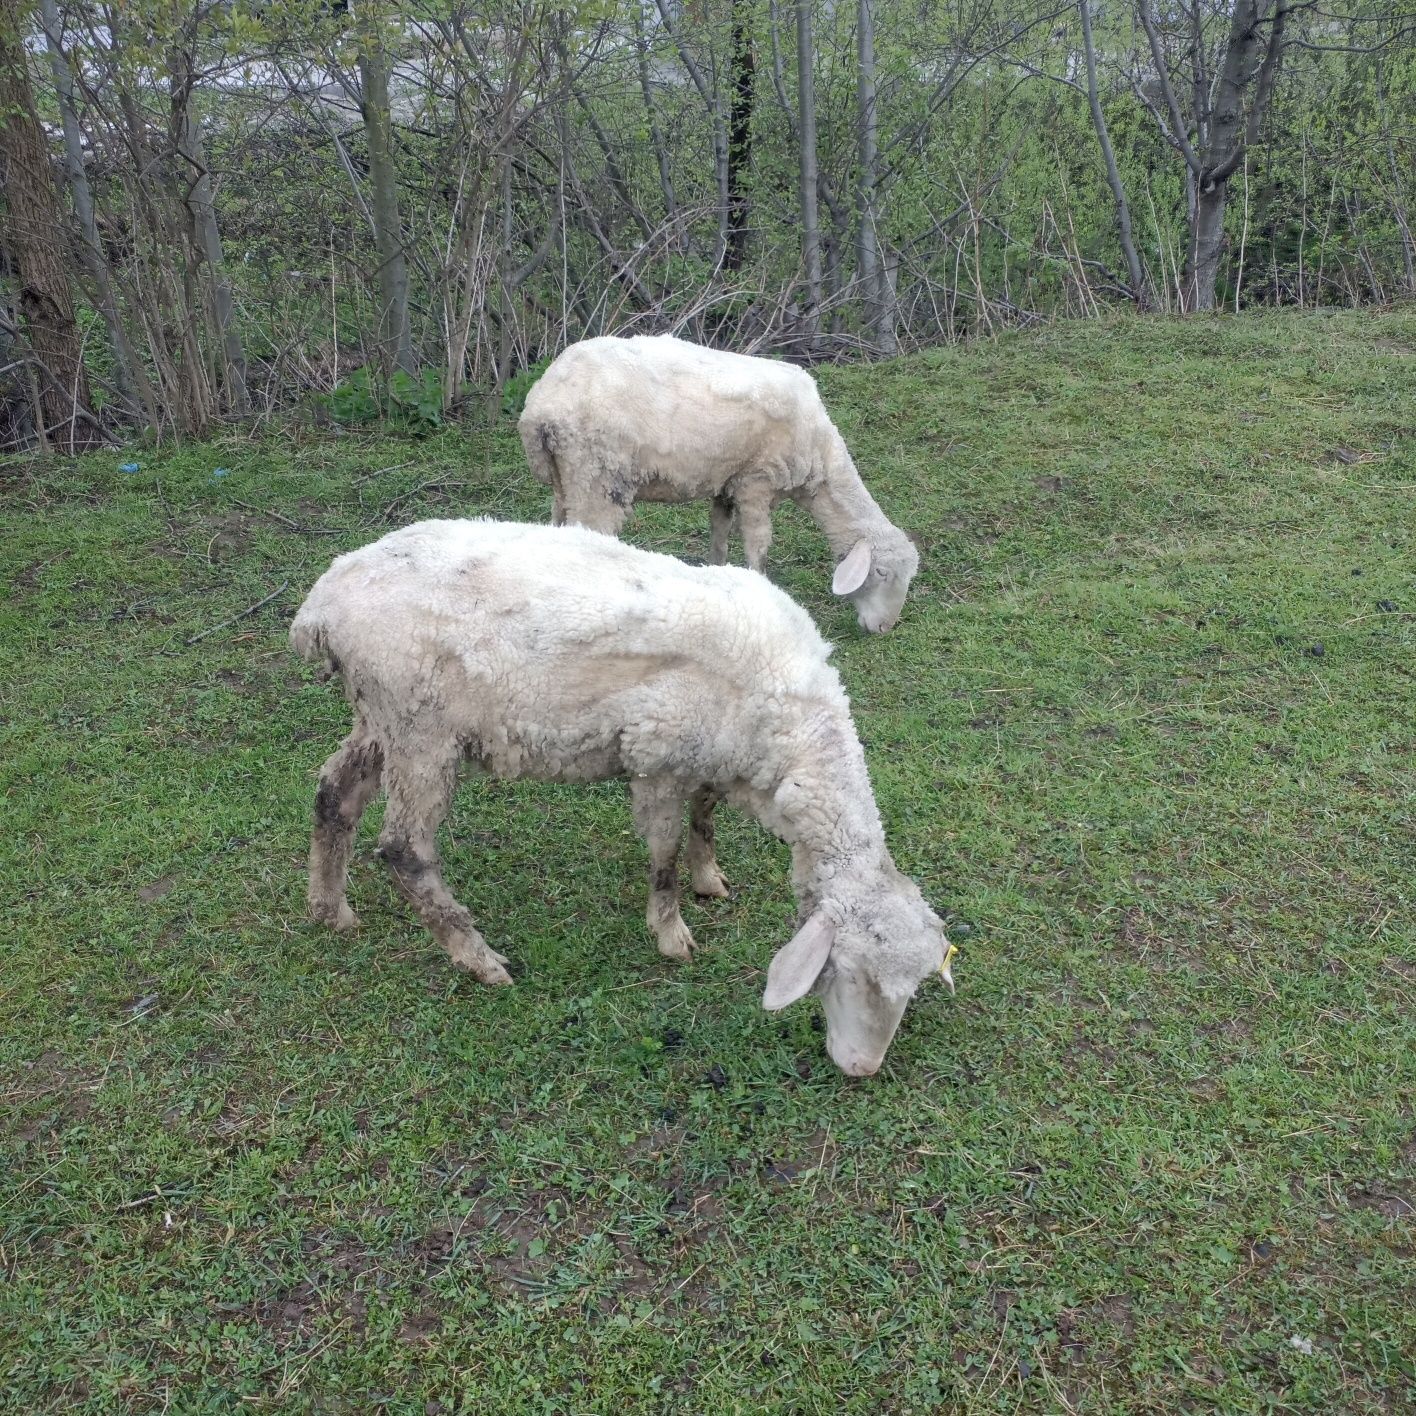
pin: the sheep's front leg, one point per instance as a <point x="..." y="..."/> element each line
<point x="419" y="794"/>
<point x="593" y="508"/>
<point x="702" y="863"/>
<point x="658" y="813"/>
<point x="721" y="520"/>
<point x="348" y="783"/>
<point x="755" y="522"/>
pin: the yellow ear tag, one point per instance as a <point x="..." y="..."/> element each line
<point x="945" y="972"/>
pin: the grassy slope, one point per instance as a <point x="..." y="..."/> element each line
<point x="1165" y="1128"/>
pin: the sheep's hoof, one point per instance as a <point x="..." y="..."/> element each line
<point x="708" y="883"/>
<point x="675" y="941"/>
<point x="338" y="917"/>
<point x="481" y="962"/>
<point x="491" y="972"/>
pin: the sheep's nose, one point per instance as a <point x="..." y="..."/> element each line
<point x="856" y="1064"/>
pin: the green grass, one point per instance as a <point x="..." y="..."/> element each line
<point x="1146" y="731"/>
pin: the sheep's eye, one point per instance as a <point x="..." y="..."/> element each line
<point x="879" y="572"/>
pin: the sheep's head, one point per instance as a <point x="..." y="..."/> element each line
<point x="864" y="960"/>
<point x="876" y="577"/>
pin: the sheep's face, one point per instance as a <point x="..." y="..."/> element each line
<point x="865" y="969"/>
<point x="876" y="580"/>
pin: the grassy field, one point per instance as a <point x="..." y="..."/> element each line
<point x="1146" y="732"/>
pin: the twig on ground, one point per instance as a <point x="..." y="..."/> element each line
<point x="1380" y="614"/>
<point x="286" y="521"/>
<point x="166" y="506"/>
<point x="141" y="1200"/>
<point x="249" y="610"/>
<point x="379" y="471"/>
<point x="436" y="484"/>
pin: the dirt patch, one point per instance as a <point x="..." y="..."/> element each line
<point x="1262" y="1252"/>
<point x="1070" y="1340"/>
<point x="663" y="1142"/>
<point x="228" y="535"/>
<point x="65" y="1093"/>
<point x="1084" y="1048"/>
<point x="819" y="1153"/>
<point x="519" y="1249"/>
<point x="236" y="681"/>
<point x="1388" y="1202"/>
<point x="331" y="1293"/>
<point x="524" y="1242"/>
<point x="1138" y="933"/>
<point x="421" y="1328"/>
<point x="28" y="578"/>
<point x="1230" y="1030"/>
<point x="636" y="1279"/>
<point x="157" y="889"/>
<point x="1117" y="1311"/>
<point x="694" y="1213"/>
<point x="437" y="1248"/>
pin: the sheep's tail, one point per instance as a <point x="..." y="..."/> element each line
<point x="541" y="442"/>
<point x="310" y="640"/>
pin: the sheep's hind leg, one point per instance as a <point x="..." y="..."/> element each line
<point x="349" y="781"/>
<point x="419" y="794"/>
<point x="702" y="864"/>
<point x="721" y="521"/>
<point x="658" y="813"/>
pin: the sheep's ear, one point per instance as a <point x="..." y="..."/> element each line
<point x="850" y="574"/>
<point x="796" y="964"/>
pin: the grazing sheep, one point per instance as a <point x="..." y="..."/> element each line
<point x="562" y="654"/>
<point x="655" y="418"/>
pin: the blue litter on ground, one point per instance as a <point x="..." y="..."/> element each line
<point x="130" y="466"/>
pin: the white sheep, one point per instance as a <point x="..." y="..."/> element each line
<point x="654" y="418"/>
<point x="562" y="654"/>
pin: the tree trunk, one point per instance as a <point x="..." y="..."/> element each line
<point x="715" y="116"/>
<point x="395" y="337"/>
<point x="200" y="202"/>
<point x="159" y="286"/>
<point x="1225" y="124"/>
<point x="656" y="133"/>
<point x="1206" y="248"/>
<point x="739" y="135"/>
<point x="879" y="325"/>
<point x="806" y="151"/>
<point x="129" y="378"/>
<point x="1398" y="204"/>
<point x="36" y="237"/>
<point x="1113" y="172"/>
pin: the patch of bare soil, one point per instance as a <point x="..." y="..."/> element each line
<point x="1388" y="1201"/>
<point x="333" y="1292"/>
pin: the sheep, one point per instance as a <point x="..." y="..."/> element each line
<point x="562" y="654"/>
<point x="658" y="419"/>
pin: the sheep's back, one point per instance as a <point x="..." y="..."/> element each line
<point x="571" y="653"/>
<point x="673" y="398"/>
